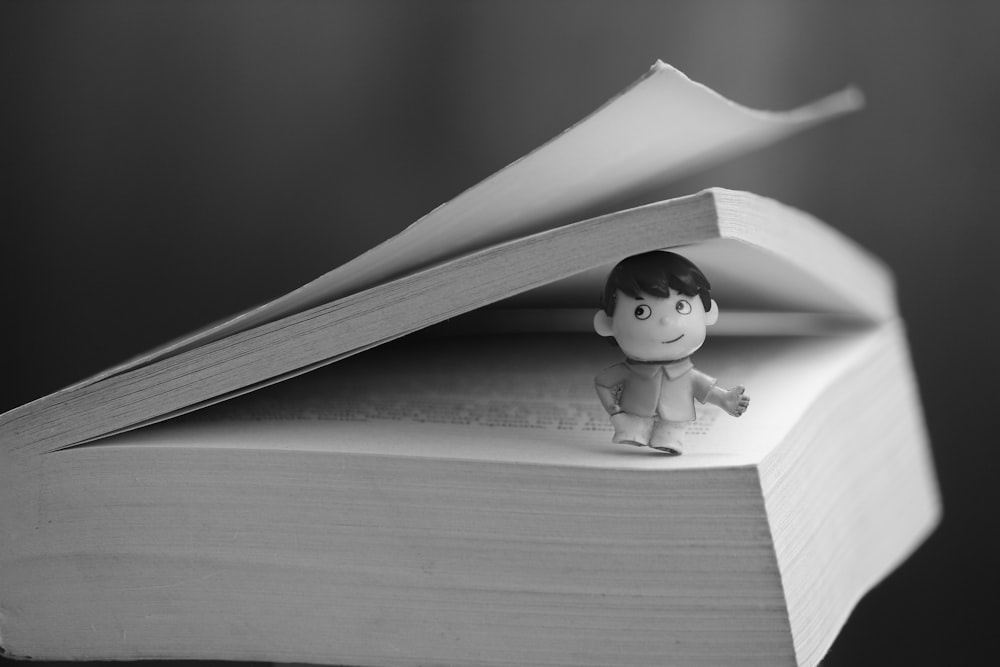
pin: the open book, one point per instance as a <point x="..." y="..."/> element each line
<point x="452" y="496"/>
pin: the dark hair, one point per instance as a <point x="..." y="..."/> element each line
<point x="655" y="273"/>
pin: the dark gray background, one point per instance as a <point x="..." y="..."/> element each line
<point x="167" y="164"/>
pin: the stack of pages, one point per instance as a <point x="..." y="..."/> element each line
<point x="447" y="492"/>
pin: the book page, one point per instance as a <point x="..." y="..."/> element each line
<point x="662" y="127"/>
<point x="514" y="398"/>
<point x="760" y="287"/>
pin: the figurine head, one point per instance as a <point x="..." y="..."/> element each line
<point x="658" y="307"/>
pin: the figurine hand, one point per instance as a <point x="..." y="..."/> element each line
<point x="735" y="401"/>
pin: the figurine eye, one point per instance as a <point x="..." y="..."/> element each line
<point x="642" y="312"/>
<point x="683" y="307"/>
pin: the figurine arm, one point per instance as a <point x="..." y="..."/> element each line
<point x="734" y="401"/>
<point x="609" y="388"/>
<point x="608" y="398"/>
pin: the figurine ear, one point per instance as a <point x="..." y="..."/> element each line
<point x="602" y="324"/>
<point x="712" y="316"/>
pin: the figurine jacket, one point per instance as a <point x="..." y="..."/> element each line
<point x="666" y="390"/>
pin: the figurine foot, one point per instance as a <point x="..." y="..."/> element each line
<point x="666" y="438"/>
<point x="631" y="429"/>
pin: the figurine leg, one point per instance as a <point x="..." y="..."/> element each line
<point x="665" y="437"/>
<point x="631" y="429"/>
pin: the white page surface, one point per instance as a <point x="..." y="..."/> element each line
<point x="515" y="400"/>
<point x="660" y="128"/>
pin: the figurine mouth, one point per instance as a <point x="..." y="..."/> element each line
<point x="666" y="342"/>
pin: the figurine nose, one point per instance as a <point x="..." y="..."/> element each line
<point x="665" y="319"/>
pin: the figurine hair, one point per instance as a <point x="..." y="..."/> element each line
<point x="655" y="273"/>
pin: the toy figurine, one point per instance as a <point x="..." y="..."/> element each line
<point x="658" y="307"/>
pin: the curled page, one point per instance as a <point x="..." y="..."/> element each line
<point x="661" y="127"/>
